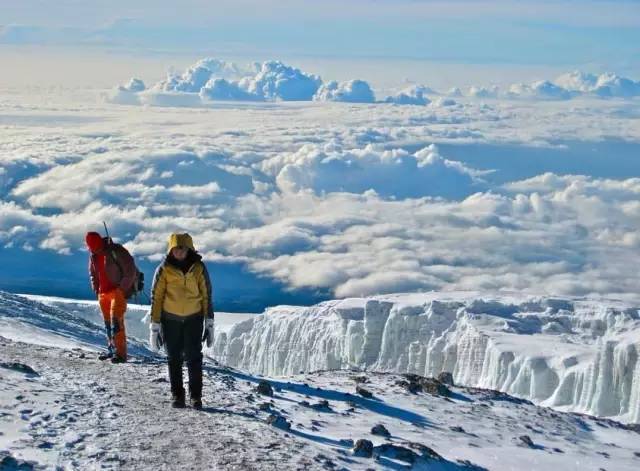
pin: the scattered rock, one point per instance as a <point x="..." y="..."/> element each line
<point x="363" y="448"/>
<point x="395" y="452"/>
<point x="265" y="406"/>
<point x="526" y="440"/>
<point x="8" y="462"/>
<point x="322" y="405"/>
<point x="279" y="422"/>
<point x="264" y="388"/>
<point x="416" y="383"/>
<point x="446" y="378"/>
<point x="424" y="451"/>
<point x="19" y="367"/>
<point x="360" y="379"/>
<point x="380" y="430"/>
<point x="364" y="392"/>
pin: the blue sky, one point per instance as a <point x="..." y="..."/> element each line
<point x="598" y="34"/>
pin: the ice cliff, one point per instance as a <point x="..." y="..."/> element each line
<point x="571" y="354"/>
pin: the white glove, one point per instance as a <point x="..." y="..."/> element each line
<point x="155" y="336"/>
<point x="208" y="332"/>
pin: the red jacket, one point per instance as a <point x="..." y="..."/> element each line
<point x="111" y="268"/>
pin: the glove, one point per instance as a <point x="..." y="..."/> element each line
<point x="208" y="332"/>
<point x="155" y="336"/>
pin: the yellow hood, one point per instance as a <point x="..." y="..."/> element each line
<point x="180" y="240"/>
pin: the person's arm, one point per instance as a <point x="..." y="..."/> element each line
<point x="93" y="275"/>
<point x="206" y="293"/>
<point x="158" y="290"/>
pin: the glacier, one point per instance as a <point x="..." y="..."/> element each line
<point x="572" y="354"/>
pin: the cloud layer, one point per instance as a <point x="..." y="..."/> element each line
<point x="354" y="200"/>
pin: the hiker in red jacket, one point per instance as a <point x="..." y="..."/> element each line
<point x="113" y="273"/>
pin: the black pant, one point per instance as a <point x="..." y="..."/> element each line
<point x="183" y="342"/>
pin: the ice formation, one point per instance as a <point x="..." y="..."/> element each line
<point x="571" y="354"/>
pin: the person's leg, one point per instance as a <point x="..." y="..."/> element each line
<point x="104" y="300"/>
<point x="172" y="332"/>
<point x="118" y="308"/>
<point x="193" y="355"/>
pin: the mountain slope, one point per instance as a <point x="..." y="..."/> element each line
<point x="60" y="406"/>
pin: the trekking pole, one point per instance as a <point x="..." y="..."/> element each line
<point x="106" y="230"/>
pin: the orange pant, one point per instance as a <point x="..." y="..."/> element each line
<point x="113" y="305"/>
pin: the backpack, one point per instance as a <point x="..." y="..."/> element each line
<point x="127" y="268"/>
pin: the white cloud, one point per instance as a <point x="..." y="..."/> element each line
<point x="351" y="91"/>
<point x="277" y="81"/>
<point x="414" y="95"/>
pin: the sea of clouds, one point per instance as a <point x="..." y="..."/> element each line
<point x="354" y="199"/>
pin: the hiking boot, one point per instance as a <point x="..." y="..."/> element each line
<point x="196" y="403"/>
<point x="178" y="402"/>
<point x="105" y="356"/>
<point x="118" y="359"/>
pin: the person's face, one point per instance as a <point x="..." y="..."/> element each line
<point x="179" y="253"/>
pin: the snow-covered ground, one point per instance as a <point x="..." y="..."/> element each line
<point x="69" y="410"/>
<point x="571" y="354"/>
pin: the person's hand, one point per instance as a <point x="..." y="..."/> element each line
<point x="155" y="336"/>
<point x="208" y="332"/>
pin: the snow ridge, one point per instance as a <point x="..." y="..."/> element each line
<point x="571" y="354"/>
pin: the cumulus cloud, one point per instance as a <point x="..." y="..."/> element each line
<point x="221" y="89"/>
<point x="605" y="85"/>
<point x="275" y="80"/>
<point x="197" y="75"/>
<point x="351" y="91"/>
<point x="389" y="173"/>
<point x="543" y="90"/>
<point x="414" y="95"/>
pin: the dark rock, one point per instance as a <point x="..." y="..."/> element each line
<point x="633" y="427"/>
<point x="278" y="421"/>
<point x="457" y="428"/>
<point x="264" y="406"/>
<point x="380" y="430"/>
<point x="8" y="462"/>
<point x="526" y="440"/>
<point x="363" y="448"/>
<point x="446" y="378"/>
<point x="322" y="405"/>
<point x="360" y="379"/>
<point x="264" y="388"/>
<point x="19" y="367"/>
<point x="416" y="383"/>
<point x="305" y="403"/>
<point x="395" y="452"/>
<point x="636" y="454"/>
<point x="364" y="392"/>
<point x="424" y="451"/>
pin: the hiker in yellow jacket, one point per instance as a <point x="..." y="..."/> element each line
<point x="181" y="308"/>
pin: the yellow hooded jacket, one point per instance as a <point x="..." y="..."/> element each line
<point x="179" y="294"/>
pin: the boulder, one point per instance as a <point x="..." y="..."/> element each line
<point x="279" y="422"/>
<point x="264" y="388"/>
<point x="446" y="378"/>
<point x="380" y="430"/>
<point x="363" y="448"/>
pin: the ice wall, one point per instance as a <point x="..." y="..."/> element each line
<point x="575" y="355"/>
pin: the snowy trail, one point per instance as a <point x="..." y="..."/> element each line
<point x="81" y="413"/>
